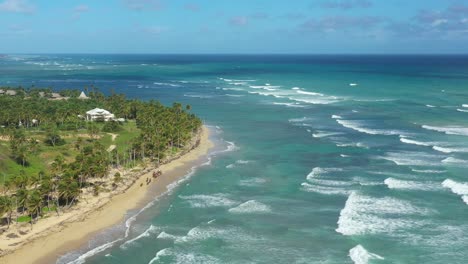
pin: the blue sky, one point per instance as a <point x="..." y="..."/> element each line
<point x="234" y="26"/>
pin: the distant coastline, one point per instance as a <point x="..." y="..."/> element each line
<point x="69" y="230"/>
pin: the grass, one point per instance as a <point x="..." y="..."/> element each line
<point x="24" y="219"/>
<point x="46" y="154"/>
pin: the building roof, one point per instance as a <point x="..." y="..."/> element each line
<point x="83" y="96"/>
<point x="98" y="111"/>
<point x="10" y="92"/>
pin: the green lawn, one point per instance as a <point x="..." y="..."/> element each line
<point x="46" y="154"/>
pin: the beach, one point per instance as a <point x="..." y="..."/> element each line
<point x="57" y="235"/>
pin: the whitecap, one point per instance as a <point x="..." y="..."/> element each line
<point x="449" y="149"/>
<point x="321" y="134"/>
<point x="452" y="160"/>
<point x="205" y="200"/>
<point x="353" y="84"/>
<point x="359" y="255"/>
<point x="326" y="190"/>
<point x="369" y="215"/>
<point x="393" y="183"/>
<point x="251" y="206"/>
<point x="462" y="110"/>
<point x="429" y="171"/>
<point x="309" y="93"/>
<point x="359" y="126"/>
<point x="430" y="106"/>
<point x="405" y="158"/>
<point x="449" y="130"/>
<point x="317" y="171"/>
<point x="336" y="117"/>
<point x="413" y="142"/>
<point x="151" y="230"/>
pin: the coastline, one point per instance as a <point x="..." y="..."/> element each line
<point x="59" y="234"/>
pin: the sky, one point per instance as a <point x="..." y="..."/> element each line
<point x="234" y="26"/>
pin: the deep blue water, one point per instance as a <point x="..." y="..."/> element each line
<point x="328" y="159"/>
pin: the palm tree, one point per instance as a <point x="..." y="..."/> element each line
<point x="6" y="207"/>
<point x="34" y="205"/>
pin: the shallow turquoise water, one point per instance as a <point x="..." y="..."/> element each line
<point x="322" y="159"/>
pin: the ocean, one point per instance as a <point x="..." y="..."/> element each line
<point x="319" y="159"/>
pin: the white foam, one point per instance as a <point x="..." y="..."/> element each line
<point x="457" y="188"/>
<point x="353" y="84"/>
<point x="449" y="130"/>
<point x="148" y="232"/>
<point x="413" y="142"/>
<point x="295" y="88"/>
<point x="462" y="110"/>
<point x="308" y="93"/>
<point x="178" y="257"/>
<point x="290" y="104"/>
<point x="393" y="183"/>
<point x="321" y="134"/>
<point x="406" y="158"/>
<point x="449" y="149"/>
<point x="369" y="215"/>
<point x="430" y="106"/>
<point x="464" y="105"/>
<point x="359" y="255"/>
<point x="359" y="126"/>
<point x="252" y="182"/>
<point x="336" y="117"/>
<point x="206" y="201"/>
<point x="250" y="206"/>
<point x="326" y="190"/>
<point x="358" y="145"/>
<point x="82" y="258"/>
<point x="429" y="171"/>
<point x="451" y="160"/>
<point x="317" y="171"/>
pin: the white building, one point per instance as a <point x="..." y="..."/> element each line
<point x="98" y="114"/>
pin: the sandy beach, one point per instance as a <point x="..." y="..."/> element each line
<point x="57" y="235"/>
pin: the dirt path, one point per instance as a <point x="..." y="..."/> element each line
<point x="112" y="147"/>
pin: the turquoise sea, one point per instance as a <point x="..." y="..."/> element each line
<point x="319" y="159"/>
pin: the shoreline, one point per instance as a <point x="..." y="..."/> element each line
<point x="61" y="234"/>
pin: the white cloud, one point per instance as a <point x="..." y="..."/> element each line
<point x="78" y="10"/>
<point x="16" y="6"/>
<point x="439" y="22"/>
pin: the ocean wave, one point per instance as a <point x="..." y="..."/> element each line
<point x="232" y="89"/>
<point x="359" y="255"/>
<point x="148" y="232"/>
<point x="462" y="110"/>
<point x="321" y="134"/>
<point x="457" y="188"/>
<point x="166" y="84"/>
<point x="449" y="149"/>
<point x="206" y="201"/>
<point x="251" y="206"/>
<point x="413" y="142"/>
<point x="369" y="215"/>
<point x="243" y="161"/>
<point x="357" y="145"/>
<point x="429" y="171"/>
<point x="359" y="126"/>
<point x="309" y="93"/>
<point x="317" y="171"/>
<point x="174" y="256"/>
<point x="289" y="104"/>
<point x="393" y="183"/>
<point x="449" y="130"/>
<point x="253" y="182"/>
<point x="326" y="190"/>
<point x="201" y="96"/>
<point x="336" y="117"/>
<point x="406" y="158"/>
<point x="430" y="106"/>
<point x="452" y="160"/>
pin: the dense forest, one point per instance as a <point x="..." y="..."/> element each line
<point x="58" y="153"/>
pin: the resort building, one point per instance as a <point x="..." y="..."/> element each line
<point x="98" y="114"/>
